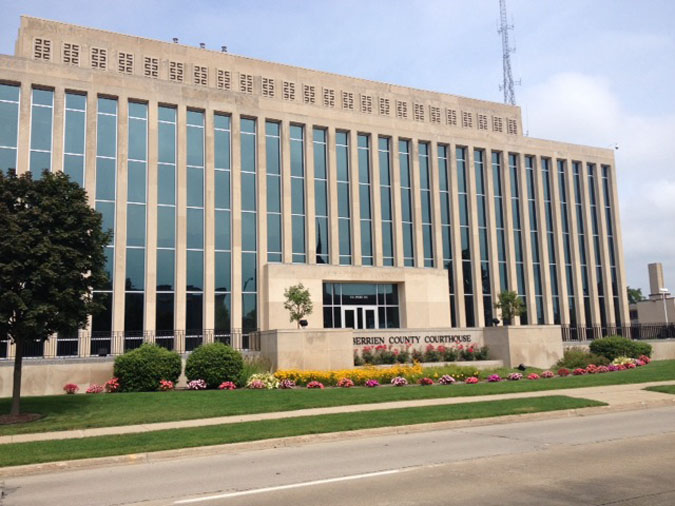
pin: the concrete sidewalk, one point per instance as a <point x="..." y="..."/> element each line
<point x="617" y="397"/>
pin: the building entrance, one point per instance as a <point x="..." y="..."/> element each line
<point x="359" y="317"/>
<point x="360" y="306"/>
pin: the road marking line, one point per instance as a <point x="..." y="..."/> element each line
<point x="286" y="487"/>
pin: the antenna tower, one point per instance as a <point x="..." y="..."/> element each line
<point x="508" y="84"/>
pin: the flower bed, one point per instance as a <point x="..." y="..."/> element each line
<point x="383" y="354"/>
<point x="358" y="376"/>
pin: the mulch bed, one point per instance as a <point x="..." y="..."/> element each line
<point x="21" y="418"/>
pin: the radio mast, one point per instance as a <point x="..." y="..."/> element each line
<point x="508" y="84"/>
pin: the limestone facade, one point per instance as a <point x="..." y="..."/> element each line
<point x="536" y="216"/>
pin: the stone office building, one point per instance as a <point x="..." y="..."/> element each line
<point x="227" y="179"/>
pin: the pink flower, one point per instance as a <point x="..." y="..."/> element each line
<point x="446" y="379"/>
<point x="372" y="383"/>
<point x="345" y="383"/>
<point x="112" y="385"/>
<point x="399" y="381"/>
<point x="70" y="388"/>
<point x="198" y="384"/>
<point x="425" y="381"/>
<point x="579" y="371"/>
<point x="315" y="384"/>
<point x="95" y="389"/>
<point x="227" y="385"/>
<point x="257" y="385"/>
<point x="471" y="380"/>
<point x="533" y="376"/>
<point x="166" y="385"/>
<point x="563" y="372"/>
<point x="286" y="384"/>
<point x="547" y="374"/>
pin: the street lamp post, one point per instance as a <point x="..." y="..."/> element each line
<point x="664" y="291"/>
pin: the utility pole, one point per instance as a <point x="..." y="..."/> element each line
<point x="508" y="83"/>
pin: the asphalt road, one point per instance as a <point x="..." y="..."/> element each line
<point x="625" y="458"/>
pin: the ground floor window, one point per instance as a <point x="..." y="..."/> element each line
<point x="360" y="306"/>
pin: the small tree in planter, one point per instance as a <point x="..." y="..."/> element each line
<point x="298" y="302"/>
<point x="510" y="306"/>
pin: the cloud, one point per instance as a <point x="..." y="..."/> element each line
<point x="585" y="109"/>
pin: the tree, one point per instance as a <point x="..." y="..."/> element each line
<point x="634" y="295"/>
<point x="510" y="305"/>
<point x="298" y="302"/>
<point x="51" y="257"/>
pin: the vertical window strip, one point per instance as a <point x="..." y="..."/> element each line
<point x="384" y="151"/>
<point x="73" y="166"/>
<point x="106" y="188"/>
<point x="592" y="187"/>
<point x="364" y="200"/>
<point x="517" y="232"/>
<point x="581" y="234"/>
<point x="344" y="198"/>
<point x="611" y="244"/>
<point x="194" y="310"/>
<point x="534" y="237"/>
<point x="223" y="232"/>
<point x="249" y="218"/>
<point x="9" y="118"/>
<point x="406" y="204"/>
<point x="481" y="205"/>
<point x="9" y="135"/>
<point x="137" y="148"/>
<point x="274" y="186"/>
<point x="499" y="220"/>
<point x="446" y="227"/>
<point x="321" y="196"/>
<point x="425" y="200"/>
<point x="41" y="131"/>
<point x="75" y="141"/>
<point x="547" y="180"/>
<point x="567" y="240"/>
<point x="298" y="213"/>
<point x="465" y="235"/>
<point x="166" y="227"/>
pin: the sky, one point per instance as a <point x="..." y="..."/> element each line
<point x="594" y="72"/>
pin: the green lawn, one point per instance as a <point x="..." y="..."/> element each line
<point x="67" y="412"/>
<point x="69" y="449"/>
<point x="665" y="389"/>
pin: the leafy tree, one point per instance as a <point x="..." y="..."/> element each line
<point x="298" y="302"/>
<point x="51" y="256"/>
<point x="634" y="295"/>
<point x="510" y="305"/>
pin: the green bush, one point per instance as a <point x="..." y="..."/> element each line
<point x="140" y="370"/>
<point x="617" y="346"/>
<point x="580" y="358"/>
<point x="214" y="363"/>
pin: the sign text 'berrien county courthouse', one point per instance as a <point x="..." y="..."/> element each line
<point x="416" y="339"/>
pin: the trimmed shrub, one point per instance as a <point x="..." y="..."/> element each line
<point x="617" y="346"/>
<point x="214" y="363"/>
<point x="579" y="358"/>
<point x="141" y="370"/>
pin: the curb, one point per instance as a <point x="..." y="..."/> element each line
<point x="283" y="442"/>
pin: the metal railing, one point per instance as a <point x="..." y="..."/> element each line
<point x="578" y="333"/>
<point x="105" y="344"/>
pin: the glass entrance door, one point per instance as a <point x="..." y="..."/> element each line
<point x="359" y="317"/>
